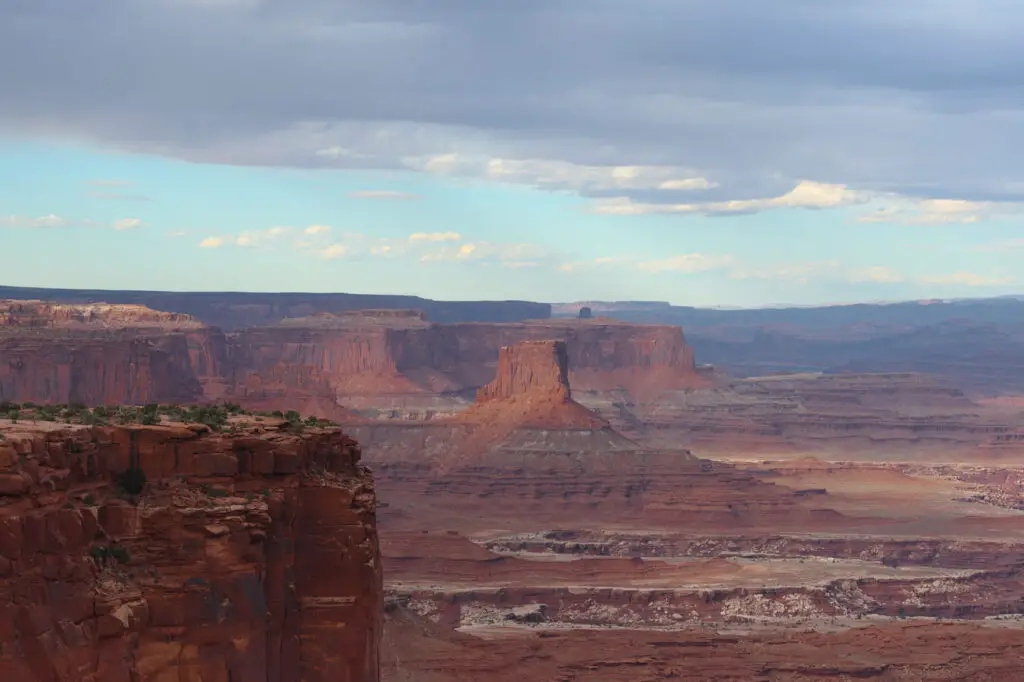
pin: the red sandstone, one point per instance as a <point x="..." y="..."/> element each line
<point x="250" y="557"/>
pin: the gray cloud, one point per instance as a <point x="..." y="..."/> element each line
<point x="919" y="97"/>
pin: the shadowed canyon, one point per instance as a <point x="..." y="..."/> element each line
<point x="563" y="498"/>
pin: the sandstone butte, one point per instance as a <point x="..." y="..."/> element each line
<point x="249" y="556"/>
<point x="128" y="354"/>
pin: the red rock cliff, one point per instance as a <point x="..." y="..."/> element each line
<point x="103" y="354"/>
<point x="530" y="367"/>
<point x="356" y="362"/>
<point x="248" y="557"/>
<point x="530" y="390"/>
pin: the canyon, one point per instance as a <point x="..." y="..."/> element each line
<point x="559" y="499"/>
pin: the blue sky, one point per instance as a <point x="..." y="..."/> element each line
<point x="192" y="226"/>
<point x="705" y="153"/>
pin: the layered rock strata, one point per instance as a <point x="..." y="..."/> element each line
<point x="243" y="557"/>
<point x="370" y="362"/>
<point x="104" y="354"/>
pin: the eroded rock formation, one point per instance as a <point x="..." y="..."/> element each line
<point x="249" y="556"/>
<point x="372" y="361"/>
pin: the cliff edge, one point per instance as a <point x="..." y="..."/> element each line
<point x="179" y="552"/>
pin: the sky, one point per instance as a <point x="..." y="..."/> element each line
<point x="718" y="152"/>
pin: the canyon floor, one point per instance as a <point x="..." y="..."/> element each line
<point x="903" y="562"/>
<point x="887" y="572"/>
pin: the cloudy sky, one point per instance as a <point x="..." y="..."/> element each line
<point x="702" y="152"/>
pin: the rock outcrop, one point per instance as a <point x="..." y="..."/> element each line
<point x="104" y="354"/>
<point x="531" y="390"/>
<point x="245" y="556"/>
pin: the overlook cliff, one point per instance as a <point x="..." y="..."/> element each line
<point x="246" y="556"/>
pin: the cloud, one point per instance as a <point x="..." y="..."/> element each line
<point x="335" y="251"/>
<point x="807" y="194"/>
<point x="216" y="242"/>
<point x="940" y="211"/>
<point x="511" y="255"/>
<point x="435" y="237"/>
<point x="260" y="237"/>
<point x="968" y="279"/>
<point x="918" y="98"/>
<point x="687" y="263"/>
<point x="317" y="229"/>
<point x="44" y="221"/>
<point x="127" y="224"/>
<point x="560" y="175"/>
<point x="875" y="273"/>
<point x="52" y="221"/>
<point x="383" y="194"/>
<point x="175" y="234"/>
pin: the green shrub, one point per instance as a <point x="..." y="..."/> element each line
<point x="111" y="553"/>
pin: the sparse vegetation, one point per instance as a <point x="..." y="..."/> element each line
<point x="210" y="491"/>
<point x="105" y="554"/>
<point x="217" y="417"/>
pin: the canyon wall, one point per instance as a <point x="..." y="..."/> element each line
<point x="104" y="354"/>
<point x="235" y="310"/>
<point x="245" y="557"/>
<point x="365" y="362"/>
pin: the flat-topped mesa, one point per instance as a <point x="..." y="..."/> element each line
<point x="104" y="354"/>
<point x="530" y="367"/>
<point x="355" y="319"/>
<point x="50" y="315"/>
<point x="174" y="551"/>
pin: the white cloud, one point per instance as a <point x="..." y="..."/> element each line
<point x="383" y="194"/>
<point x="52" y="221"/>
<point x="807" y="194"/>
<point x="317" y="229"/>
<point x="260" y="237"/>
<point x="875" y="273"/>
<point x="687" y="263"/>
<point x="435" y="237"/>
<point x="337" y="152"/>
<point x="512" y="255"/>
<point x="335" y="251"/>
<point x="969" y="279"/>
<point x="910" y="211"/>
<point x="127" y="224"/>
<point x="44" y="221"/>
<point x="248" y="238"/>
<point x="553" y="174"/>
